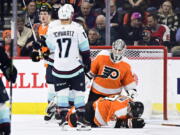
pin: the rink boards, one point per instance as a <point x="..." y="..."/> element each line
<point x="30" y="90"/>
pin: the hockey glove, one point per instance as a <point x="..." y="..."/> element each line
<point x="45" y="52"/>
<point x="135" y="123"/>
<point x="36" y="45"/>
<point x="35" y="56"/>
<point x="10" y="74"/>
<point x="130" y="123"/>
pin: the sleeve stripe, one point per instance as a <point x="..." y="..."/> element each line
<point x="84" y="46"/>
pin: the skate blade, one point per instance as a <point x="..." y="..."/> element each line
<point x="82" y="128"/>
<point x="66" y="127"/>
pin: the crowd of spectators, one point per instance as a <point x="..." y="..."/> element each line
<point x="137" y="22"/>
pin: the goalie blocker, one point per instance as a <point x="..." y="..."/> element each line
<point x="100" y="112"/>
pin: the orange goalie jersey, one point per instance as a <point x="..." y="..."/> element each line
<point x="110" y="108"/>
<point x="119" y="75"/>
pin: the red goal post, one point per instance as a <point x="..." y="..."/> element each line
<point x="147" y="59"/>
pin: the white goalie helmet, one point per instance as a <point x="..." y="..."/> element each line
<point x="65" y="12"/>
<point x="118" y="49"/>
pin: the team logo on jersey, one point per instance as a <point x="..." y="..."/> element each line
<point x="110" y="72"/>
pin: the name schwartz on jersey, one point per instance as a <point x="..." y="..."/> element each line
<point x="64" y="33"/>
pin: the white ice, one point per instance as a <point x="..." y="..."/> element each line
<point x="35" y="125"/>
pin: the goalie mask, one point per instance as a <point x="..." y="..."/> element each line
<point x="136" y="109"/>
<point x="118" y="49"/>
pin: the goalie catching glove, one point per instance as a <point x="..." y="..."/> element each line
<point x="130" y="123"/>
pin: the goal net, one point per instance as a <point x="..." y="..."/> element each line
<point x="150" y="66"/>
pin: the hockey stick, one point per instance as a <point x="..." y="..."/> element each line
<point x="33" y="32"/>
<point x="13" y="44"/>
<point x="167" y="124"/>
<point x="164" y="124"/>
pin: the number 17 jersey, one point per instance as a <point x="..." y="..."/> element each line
<point x="67" y="41"/>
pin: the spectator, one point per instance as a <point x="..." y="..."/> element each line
<point x="93" y="36"/>
<point x="167" y="16"/>
<point x="101" y="28"/>
<point x="31" y="13"/>
<point x="77" y="4"/>
<point x="136" y="5"/>
<point x="99" y="4"/>
<point x="159" y="31"/>
<point x="1" y="15"/>
<point x="6" y="35"/>
<point x="132" y="32"/>
<point x="154" y="5"/>
<point x="176" y="49"/>
<point x="81" y="21"/>
<point x="87" y="14"/>
<point x="24" y="37"/>
<point x="40" y="3"/>
<point x="114" y="14"/>
<point x="147" y="40"/>
<point x="54" y="10"/>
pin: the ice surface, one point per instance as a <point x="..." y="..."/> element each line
<point x="35" y="125"/>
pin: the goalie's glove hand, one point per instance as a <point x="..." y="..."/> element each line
<point x="130" y="123"/>
<point x="35" y="56"/>
<point x="10" y="74"/>
<point x="132" y="93"/>
<point x="45" y="52"/>
<point x="135" y="123"/>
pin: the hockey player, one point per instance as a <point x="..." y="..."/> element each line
<point x="120" y="109"/>
<point x="51" y="109"/>
<point x="115" y="73"/>
<point x="10" y="74"/>
<point x="70" y="44"/>
<point x="42" y="30"/>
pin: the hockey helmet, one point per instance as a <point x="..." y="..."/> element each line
<point x="118" y="49"/>
<point x="69" y="7"/>
<point x="136" y="109"/>
<point x="65" y="12"/>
